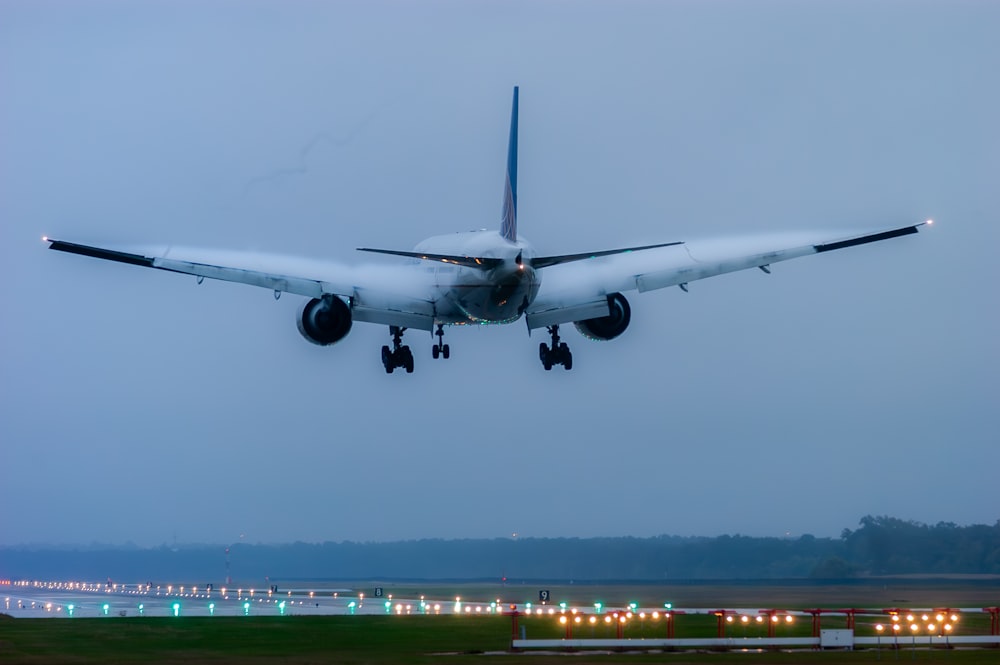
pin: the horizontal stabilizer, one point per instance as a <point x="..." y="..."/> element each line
<point x="546" y="261"/>
<point x="481" y="263"/>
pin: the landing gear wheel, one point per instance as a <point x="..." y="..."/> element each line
<point x="440" y="349"/>
<point x="557" y="354"/>
<point x="399" y="355"/>
<point x="545" y="356"/>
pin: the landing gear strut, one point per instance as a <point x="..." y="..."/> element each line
<point x="558" y="354"/>
<point x="440" y="349"/>
<point x="399" y="355"/>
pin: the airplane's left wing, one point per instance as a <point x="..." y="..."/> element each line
<point x="579" y="291"/>
<point x="377" y="297"/>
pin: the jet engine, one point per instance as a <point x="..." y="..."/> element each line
<point x="610" y="326"/>
<point x="325" y="321"/>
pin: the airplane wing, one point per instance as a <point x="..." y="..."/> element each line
<point x="579" y="291"/>
<point x="377" y="295"/>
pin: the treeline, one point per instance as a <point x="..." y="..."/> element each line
<point x="880" y="546"/>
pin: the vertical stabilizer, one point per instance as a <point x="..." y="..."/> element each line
<point x="508" y="223"/>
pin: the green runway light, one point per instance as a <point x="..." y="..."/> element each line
<point x="211" y="609"/>
<point x="669" y="606"/>
<point x="106" y="608"/>
<point x="281" y="608"/>
<point x="70" y="609"/>
<point x="142" y="609"/>
<point x="351" y="606"/>
<point x="388" y="607"/>
<point x="246" y="609"/>
<point x="177" y="609"/>
<point x="598" y="606"/>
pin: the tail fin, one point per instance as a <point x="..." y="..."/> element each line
<point x="508" y="223"/>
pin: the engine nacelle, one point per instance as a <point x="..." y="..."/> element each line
<point x="325" y="321"/>
<point x="610" y="326"/>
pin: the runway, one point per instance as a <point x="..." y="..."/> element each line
<point x="96" y="600"/>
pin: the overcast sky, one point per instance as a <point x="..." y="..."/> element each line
<point x="137" y="406"/>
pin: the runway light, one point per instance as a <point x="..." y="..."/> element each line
<point x="106" y="607"/>
<point x="142" y="609"/>
<point x="246" y="609"/>
<point x="211" y="609"/>
<point x="281" y="608"/>
<point x="177" y="609"/>
<point x="70" y="608"/>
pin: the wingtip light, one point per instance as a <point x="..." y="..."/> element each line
<point x="929" y="222"/>
<point x="45" y="238"/>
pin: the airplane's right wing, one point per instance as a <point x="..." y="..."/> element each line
<point x="579" y="291"/>
<point x="390" y="295"/>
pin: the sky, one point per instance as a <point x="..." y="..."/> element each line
<point x="138" y="407"/>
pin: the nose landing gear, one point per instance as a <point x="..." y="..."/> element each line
<point x="440" y="349"/>
<point x="399" y="355"/>
<point x="558" y="354"/>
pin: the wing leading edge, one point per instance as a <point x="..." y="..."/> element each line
<point x="568" y="292"/>
<point x="397" y="302"/>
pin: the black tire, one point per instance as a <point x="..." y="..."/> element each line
<point x="543" y="350"/>
<point x="567" y="360"/>
<point x="435" y="352"/>
<point x="446" y="352"/>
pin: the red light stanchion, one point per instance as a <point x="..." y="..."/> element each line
<point x="669" y="616"/>
<point x="994" y="613"/>
<point x="772" y="616"/>
<point x="721" y="621"/>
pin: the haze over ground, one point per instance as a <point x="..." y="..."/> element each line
<point x="137" y="406"/>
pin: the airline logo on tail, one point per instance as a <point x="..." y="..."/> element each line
<point x="508" y="223"/>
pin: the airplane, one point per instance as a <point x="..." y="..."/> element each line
<point x="479" y="277"/>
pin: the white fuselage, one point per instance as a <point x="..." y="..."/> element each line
<point x="470" y="295"/>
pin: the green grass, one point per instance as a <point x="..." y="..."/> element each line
<point x="358" y="639"/>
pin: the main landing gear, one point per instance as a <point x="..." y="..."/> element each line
<point x="558" y="354"/>
<point x="440" y="350"/>
<point x="399" y="356"/>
